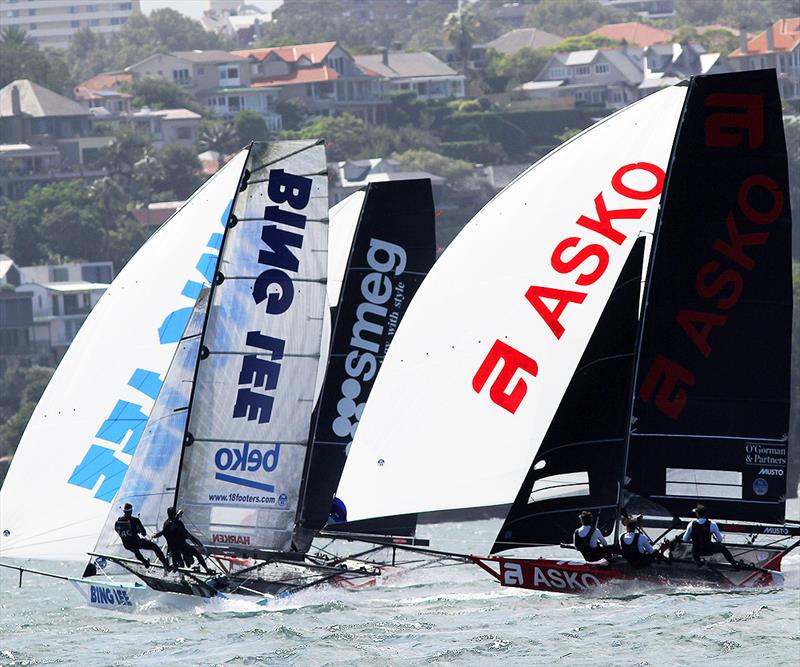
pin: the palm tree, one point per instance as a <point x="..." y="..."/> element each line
<point x="16" y="37"/>
<point x="219" y="137"/>
<point x="460" y="29"/>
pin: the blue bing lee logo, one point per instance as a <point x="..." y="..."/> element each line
<point x="127" y="417"/>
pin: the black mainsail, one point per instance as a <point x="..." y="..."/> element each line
<point x="711" y="409"/>
<point x="393" y="249"/>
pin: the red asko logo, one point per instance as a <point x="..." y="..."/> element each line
<point x="720" y="280"/>
<point x="569" y="255"/>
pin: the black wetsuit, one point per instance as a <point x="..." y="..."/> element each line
<point x="703" y="546"/>
<point x="180" y="551"/>
<point x="131" y="532"/>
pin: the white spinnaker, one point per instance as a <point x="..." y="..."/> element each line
<point x="251" y="411"/>
<point x="427" y="439"/>
<point x="343" y="222"/>
<point x="75" y="451"/>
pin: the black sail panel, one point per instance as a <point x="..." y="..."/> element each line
<point x="578" y="463"/>
<point x="711" y="406"/>
<point x="393" y="249"/>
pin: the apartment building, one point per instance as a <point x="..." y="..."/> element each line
<point x="54" y="22"/>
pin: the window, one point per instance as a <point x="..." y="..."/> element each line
<point x="32" y="26"/>
<point x="233" y="72"/>
<point x="560" y="486"/>
<point x="31" y="12"/>
<point x="94" y="22"/>
<point x="184" y="133"/>
<point x="180" y="75"/>
<point x="583" y="70"/>
<point x="96" y="274"/>
<point x="557" y="72"/>
<point x="60" y="274"/>
<point x="201" y="70"/>
<point x="235" y="103"/>
<point x="91" y="8"/>
<point x="601" y="68"/>
<point x="72" y="9"/>
<point x="74" y="24"/>
<point x="115" y="20"/>
<point x="56" y="306"/>
<point x="124" y="6"/>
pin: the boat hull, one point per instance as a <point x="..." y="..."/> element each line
<point x="116" y="595"/>
<point x="566" y="576"/>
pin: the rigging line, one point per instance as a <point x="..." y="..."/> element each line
<point x="709" y="437"/>
<point x="611" y="357"/>
<point x="323" y="220"/>
<point x="318" y="173"/>
<point x="253" y="442"/>
<point x="318" y="142"/>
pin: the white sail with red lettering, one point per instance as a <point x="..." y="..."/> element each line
<point x="487" y="348"/>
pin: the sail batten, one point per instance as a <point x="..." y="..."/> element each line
<point x="254" y="387"/>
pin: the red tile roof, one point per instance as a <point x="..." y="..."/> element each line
<point x="107" y="81"/>
<point x="634" y="33"/>
<point x="302" y="75"/>
<point x="316" y="53"/>
<point x="786" y="36"/>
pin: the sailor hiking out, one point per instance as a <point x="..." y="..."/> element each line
<point x="131" y="532"/>
<point x="699" y="533"/>
<point x="589" y="540"/>
<point x="181" y="553"/>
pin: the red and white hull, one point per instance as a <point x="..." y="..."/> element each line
<point x="568" y="576"/>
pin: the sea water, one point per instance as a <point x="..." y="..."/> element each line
<point x="437" y="615"/>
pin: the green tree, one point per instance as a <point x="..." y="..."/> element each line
<point x="293" y="111"/>
<point x="12" y="429"/>
<point x="460" y="29"/>
<point x="218" y="136"/>
<point x="692" y="12"/>
<point x="127" y="148"/>
<point x="177" y="172"/>
<point x="344" y="135"/>
<point x="158" y="93"/>
<point x="455" y="171"/>
<point x="250" y="126"/>
<point x="572" y="17"/>
<point x="21" y="58"/>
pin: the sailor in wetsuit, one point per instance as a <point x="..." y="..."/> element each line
<point x="699" y="533"/>
<point x="180" y="551"/>
<point x="130" y="530"/>
<point x="589" y="540"/>
<point x="635" y="547"/>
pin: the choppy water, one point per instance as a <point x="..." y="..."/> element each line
<point x="451" y="615"/>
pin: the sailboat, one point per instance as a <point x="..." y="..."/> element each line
<point x="692" y="404"/>
<point x="266" y="316"/>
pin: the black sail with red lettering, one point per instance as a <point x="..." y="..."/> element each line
<point x="393" y="249"/>
<point x="577" y="466"/>
<point x="711" y="407"/>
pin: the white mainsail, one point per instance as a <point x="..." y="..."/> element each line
<point x="343" y="222"/>
<point x="250" y="413"/>
<point x="76" y="449"/>
<point x="487" y="348"/>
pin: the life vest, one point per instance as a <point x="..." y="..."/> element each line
<point x="701" y="535"/>
<point x="126" y="531"/>
<point x="631" y="553"/>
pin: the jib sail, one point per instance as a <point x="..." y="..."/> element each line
<point x="75" y="452"/>
<point x="711" y="412"/>
<point x="249" y="417"/>
<point x="150" y="483"/>
<point x="502" y="320"/>
<point x="393" y="249"/>
<point x="577" y="466"/>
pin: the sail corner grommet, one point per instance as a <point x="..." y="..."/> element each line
<point x="219" y="278"/>
<point x="232" y="220"/>
<point x="188" y="439"/>
<point x="204" y="352"/>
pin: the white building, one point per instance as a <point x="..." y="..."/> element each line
<point x="54" y="22"/>
<point x="63" y="295"/>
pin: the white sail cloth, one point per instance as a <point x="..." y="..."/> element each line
<point x="76" y="449"/>
<point x="254" y="392"/>
<point x="489" y="343"/>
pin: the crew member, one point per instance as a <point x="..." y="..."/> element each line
<point x="634" y="545"/>
<point x="180" y="551"/>
<point x="589" y="540"/>
<point x="131" y="532"/>
<point x="699" y="533"/>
